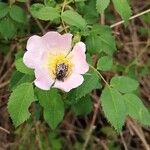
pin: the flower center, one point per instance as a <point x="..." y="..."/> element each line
<point x="60" y="66"/>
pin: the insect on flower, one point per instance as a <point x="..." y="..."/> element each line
<point x="56" y="64"/>
<point x="61" y="71"/>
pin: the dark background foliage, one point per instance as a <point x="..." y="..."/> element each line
<point x="83" y="121"/>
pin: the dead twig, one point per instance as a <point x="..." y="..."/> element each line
<point x="139" y="133"/>
<point x="4" y="130"/>
<point x="133" y="17"/>
<point x="123" y="142"/>
<point x="4" y="84"/>
<point x="92" y="126"/>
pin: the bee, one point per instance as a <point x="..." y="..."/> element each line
<point x="61" y="71"/>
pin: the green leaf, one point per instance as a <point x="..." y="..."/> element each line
<point x="80" y="0"/>
<point x="136" y="109"/>
<point x="105" y="63"/>
<point x="123" y="8"/>
<point x="7" y="28"/>
<point x="4" y="9"/>
<point x="20" y="66"/>
<point x="113" y="107"/>
<point x="53" y="106"/>
<point x="44" y="12"/>
<point x="91" y="82"/>
<point x="91" y="16"/>
<point x="19" y="78"/>
<point x="101" y="39"/>
<point x="17" y="14"/>
<point x="19" y="102"/>
<point x="23" y="1"/>
<point x="74" y="19"/>
<point x="101" y="5"/>
<point x="93" y="44"/>
<point x="124" y="84"/>
<point x="83" y="106"/>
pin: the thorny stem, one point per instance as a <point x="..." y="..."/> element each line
<point x="133" y="17"/>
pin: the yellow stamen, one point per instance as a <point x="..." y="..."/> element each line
<point x="54" y="60"/>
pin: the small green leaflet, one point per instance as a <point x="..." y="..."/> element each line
<point x="20" y="66"/>
<point x="101" y="5"/>
<point x="7" y="28"/>
<point x="44" y="12"/>
<point x="91" y="82"/>
<point x="17" y="14"/>
<point x="136" y="109"/>
<point x="123" y="8"/>
<point x="101" y="39"/>
<point x="105" y="63"/>
<point x="91" y="16"/>
<point x="83" y="106"/>
<point x="4" y="9"/>
<point x="124" y="84"/>
<point x="53" y="106"/>
<point x="114" y="107"/>
<point x="19" y="102"/>
<point x="74" y="19"/>
<point x="19" y="78"/>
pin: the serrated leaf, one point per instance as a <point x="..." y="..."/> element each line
<point x="83" y="106"/>
<point x="19" y="102"/>
<point x="19" y="78"/>
<point x="136" y="109"/>
<point x="74" y="19"/>
<point x="123" y="8"/>
<point x="20" y="66"/>
<point x="124" y="84"/>
<point x="113" y="107"/>
<point x="44" y="12"/>
<point x="4" y="9"/>
<point x="7" y="28"/>
<point x="101" y="5"/>
<point x="101" y="39"/>
<point x="105" y="63"/>
<point x="93" y="44"/>
<point x="91" y="82"/>
<point x="53" y="106"/>
<point x="17" y="14"/>
<point x="91" y="16"/>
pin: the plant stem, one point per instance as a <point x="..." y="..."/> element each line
<point x="100" y="75"/>
<point x="62" y="10"/>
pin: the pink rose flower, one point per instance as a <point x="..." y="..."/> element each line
<point x="54" y="61"/>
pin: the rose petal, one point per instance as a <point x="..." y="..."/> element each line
<point x="43" y="79"/>
<point x="33" y="59"/>
<point x="71" y="82"/>
<point x="34" y="42"/>
<point x="56" y="42"/>
<point x="35" y="53"/>
<point x="79" y="58"/>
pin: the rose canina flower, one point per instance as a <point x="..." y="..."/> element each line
<point x="55" y="63"/>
